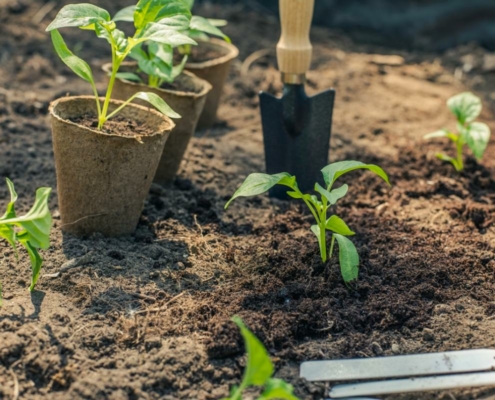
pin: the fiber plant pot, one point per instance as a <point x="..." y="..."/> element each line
<point x="186" y="96"/>
<point x="103" y="178"/>
<point x="211" y="61"/>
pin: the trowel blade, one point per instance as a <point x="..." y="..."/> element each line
<point x="296" y="130"/>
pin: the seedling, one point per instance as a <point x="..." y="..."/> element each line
<point x="155" y="22"/>
<point x="32" y="231"/>
<point x="156" y="60"/>
<point x="259" y="370"/>
<point x="466" y="107"/>
<point x="348" y="256"/>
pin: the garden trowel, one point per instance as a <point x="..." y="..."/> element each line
<point x="296" y="128"/>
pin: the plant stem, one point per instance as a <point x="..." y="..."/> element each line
<point x="460" y="164"/>
<point x="103" y="117"/>
<point x="332" y="245"/>
<point x="323" y="241"/>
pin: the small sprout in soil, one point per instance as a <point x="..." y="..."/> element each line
<point x="259" y="371"/>
<point x="466" y="107"/>
<point x="154" y="21"/>
<point x="156" y="60"/>
<point x="348" y="256"/>
<point x="32" y="231"/>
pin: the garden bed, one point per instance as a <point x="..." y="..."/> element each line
<point x="148" y="316"/>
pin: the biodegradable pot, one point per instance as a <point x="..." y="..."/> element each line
<point x="215" y="71"/>
<point x="188" y="100"/>
<point x="103" y="179"/>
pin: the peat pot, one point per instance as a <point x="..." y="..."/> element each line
<point x="103" y="178"/>
<point x="186" y="96"/>
<point x="212" y="63"/>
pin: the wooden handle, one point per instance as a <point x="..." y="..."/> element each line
<point x="294" y="50"/>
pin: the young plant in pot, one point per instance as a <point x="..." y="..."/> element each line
<point x="210" y="60"/>
<point x="348" y="256"/>
<point x="154" y="71"/>
<point x="107" y="151"/>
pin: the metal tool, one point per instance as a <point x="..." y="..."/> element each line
<point x="438" y="371"/>
<point x="296" y="128"/>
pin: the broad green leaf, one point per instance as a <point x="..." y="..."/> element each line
<point x="161" y="51"/>
<point x="477" y="138"/>
<point x="79" y="15"/>
<point x="189" y="3"/>
<point x="203" y="25"/>
<point x="158" y="103"/>
<point x="348" y="258"/>
<point x="79" y="66"/>
<point x="317" y="231"/>
<point x="146" y="12"/>
<point x="157" y="33"/>
<point x="465" y="106"/>
<point x="260" y="183"/>
<point x="259" y="368"/>
<point x="10" y="213"/>
<point x="177" y="22"/>
<point x="115" y="37"/>
<point x="218" y="22"/>
<point x="337" y="225"/>
<point x="129" y="76"/>
<point x="34" y="256"/>
<point x="156" y="67"/>
<point x="441" y="133"/>
<point x="174" y="8"/>
<point x="37" y="223"/>
<point x="333" y="196"/>
<point x="278" y="389"/>
<point x="334" y="171"/>
<point x="179" y="68"/>
<point x="125" y="15"/>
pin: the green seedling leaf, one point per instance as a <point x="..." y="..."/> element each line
<point x="260" y="183"/>
<point x="79" y="15"/>
<point x="34" y="256"/>
<point x="333" y="196"/>
<point x="125" y="15"/>
<point x="259" y="367"/>
<point x="174" y="8"/>
<point x="444" y="157"/>
<point x="115" y="37"/>
<point x="161" y="34"/>
<point x="201" y="24"/>
<point x="348" y="258"/>
<point x="179" y="68"/>
<point x="129" y="76"/>
<point x="337" y="225"/>
<point x="79" y="66"/>
<point x="146" y="12"/>
<point x="334" y="171"/>
<point x="189" y="3"/>
<point x="278" y="389"/>
<point x="158" y="103"/>
<point x="477" y="138"/>
<point x="465" y="106"/>
<point x="219" y="23"/>
<point x="176" y="22"/>
<point x="441" y="134"/>
<point x="6" y="231"/>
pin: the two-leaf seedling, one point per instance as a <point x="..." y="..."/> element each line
<point x="32" y="231"/>
<point x="155" y="22"/>
<point x="348" y="256"/>
<point x="466" y="107"/>
<point x="156" y="60"/>
<point x="259" y="370"/>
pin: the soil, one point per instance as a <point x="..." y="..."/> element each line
<point x="118" y="125"/>
<point x="200" y="54"/>
<point x="148" y="316"/>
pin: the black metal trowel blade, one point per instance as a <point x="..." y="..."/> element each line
<point x="296" y="130"/>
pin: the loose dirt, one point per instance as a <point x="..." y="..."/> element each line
<point x="147" y="316"/>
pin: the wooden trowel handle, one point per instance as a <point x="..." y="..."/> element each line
<point x="294" y="50"/>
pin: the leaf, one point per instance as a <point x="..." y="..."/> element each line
<point x="34" y="256"/>
<point x="260" y="183"/>
<point x="129" y="76"/>
<point x="348" y="258"/>
<point x="10" y="213"/>
<point x="157" y="33"/>
<point x="189" y="3"/>
<point x="146" y="12"/>
<point x="125" y="15"/>
<point x="259" y="367"/>
<point x="337" y="225"/>
<point x="278" y="389"/>
<point x="177" y="22"/>
<point x="115" y="37"/>
<point x="333" y="196"/>
<point x="6" y="231"/>
<point x="477" y="138"/>
<point x="79" y="15"/>
<point x="158" y="102"/>
<point x="465" y="106"/>
<point x="203" y="25"/>
<point x="317" y="231"/>
<point x="218" y="22"/>
<point x="334" y="171"/>
<point x="174" y="8"/>
<point x="179" y="68"/>
<point x="441" y="133"/>
<point x="77" y="65"/>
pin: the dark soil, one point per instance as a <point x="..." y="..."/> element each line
<point x="201" y="53"/>
<point x="148" y="316"/>
<point x="118" y="125"/>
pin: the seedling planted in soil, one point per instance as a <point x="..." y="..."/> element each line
<point x="154" y="21"/>
<point x="156" y="60"/>
<point x="466" y="107"/>
<point x="259" y="370"/>
<point x="348" y="256"/>
<point x="32" y="231"/>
